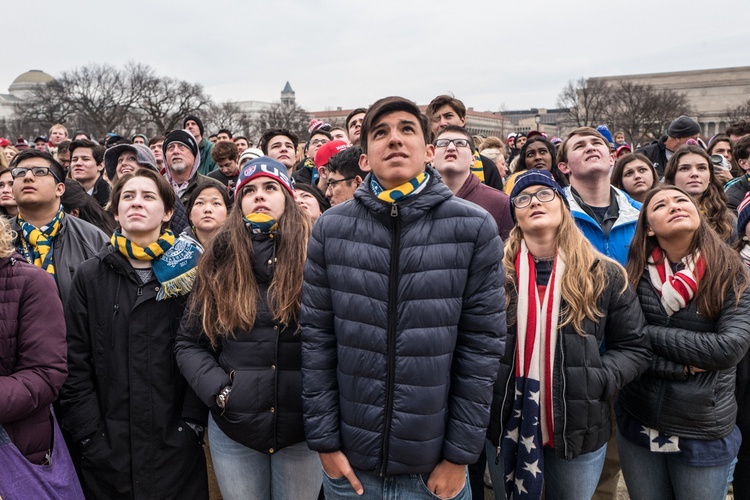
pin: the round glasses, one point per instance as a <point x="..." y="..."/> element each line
<point x="543" y="195"/>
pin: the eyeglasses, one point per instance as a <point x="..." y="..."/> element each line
<point x="318" y="142"/>
<point x="543" y="195"/>
<point x="459" y="143"/>
<point x="36" y="171"/>
<point x="332" y="184"/>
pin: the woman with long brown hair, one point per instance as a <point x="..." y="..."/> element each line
<point x="635" y="174"/>
<point x="573" y="340"/>
<point x="691" y="169"/>
<point x="677" y="436"/>
<point x="239" y="345"/>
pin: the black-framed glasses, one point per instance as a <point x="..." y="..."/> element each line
<point x="36" y="171"/>
<point x="459" y="143"/>
<point x="332" y="184"/>
<point x="544" y="195"/>
<point x="317" y="142"/>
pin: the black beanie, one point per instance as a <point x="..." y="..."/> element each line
<point x="196" y="120"/>
<point x="683" y="127"/>
<point x="183" y="137"/>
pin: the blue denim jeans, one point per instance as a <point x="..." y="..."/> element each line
<point x="656" y="476"/>
<point x="563" y="479"/>
<point x="403" y="487"/>
<point x="242" y="473"/>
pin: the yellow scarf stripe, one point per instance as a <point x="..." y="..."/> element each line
<point x="37" y="243"/>
<point x="404" y="190"/>
<point x="477" y="168"/>
<point x="151" y="252"/>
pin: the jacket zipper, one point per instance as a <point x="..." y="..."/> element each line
<point x="502" y="405"/>
<point x="392" y="325"/>
<point x="561" y="336"/>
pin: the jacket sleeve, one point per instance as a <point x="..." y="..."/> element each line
<point x="719" y="350"/>
<point x="197" y="361"/>
<point x="320" y="392"/>
<point x="666" y="369"/>
<point x="79" y="402"/>
<point x="480" y="344"/>
<point x="40" y="351"/>
<point x="627" y="354"/>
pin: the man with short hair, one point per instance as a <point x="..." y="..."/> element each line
<point x="45" y="235"/>
<point x="608" y="218"/>
<point x="679" y="132"/>
<point x="87" y="166"/>
<point x="453" y="159"/>
<point x="738" y="130"/>
<point x="339" y="134"/>
<point x="63" y="155"/>
<point x="194" y="125"/>
<point x="225" y="156"/>
<point x="183" y="158"/>
<point x="354" y="125"/>
<point x="155" y="145"/>
<point x="737" y="187"/>
<point x="242" y="143"/>
<point x="402" y="323"/>
<point x="344" y="175"/>
<point x="281" y="145"/>
<point x="40" y="143"/>
<point x="445" y="110"/>
<point x="139" y="139"/>
<point x="57" y="134"/>
<point x="306" y="172"/>
<point x="223" y="135"/>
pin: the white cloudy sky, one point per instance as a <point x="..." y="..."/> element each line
<point x="489" y="53"/>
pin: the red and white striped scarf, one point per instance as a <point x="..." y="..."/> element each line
<point x="537" y="331"/>
<point x="676" y="289"/>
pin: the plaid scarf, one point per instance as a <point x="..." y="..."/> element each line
<point x="676" y="289"/>
<point x="36" y="243"/>
<point x="477" y="168"/>
<point x="405" y="190"/>
<point x="173" y="261"/>
<point x="530" y="427"/>
<point x="259" y="223"/>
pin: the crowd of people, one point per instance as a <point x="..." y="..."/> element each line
<point x="391" y="308"/>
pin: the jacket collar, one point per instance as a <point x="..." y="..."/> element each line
<point x="629" y="208"/>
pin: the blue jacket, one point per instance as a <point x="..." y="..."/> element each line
<point x="617" y="244"/>
<point x="403" y="326"/>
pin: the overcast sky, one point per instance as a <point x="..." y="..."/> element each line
<point x="490" y="54"/>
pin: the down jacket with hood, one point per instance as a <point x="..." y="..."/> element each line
<point x="583" y="380"/>
<point x="403" y="326"/>
<point x="700" y="406"/>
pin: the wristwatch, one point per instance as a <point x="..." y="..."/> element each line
<point x="223" y="396"/>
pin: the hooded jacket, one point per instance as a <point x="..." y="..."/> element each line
<point x="403" y="326"/>
<point x="184" y="190"/>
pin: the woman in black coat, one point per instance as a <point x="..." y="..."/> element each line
<point x="239" y="345"/>
<point x="677" y="436"/>
<point x="136" y="423"/>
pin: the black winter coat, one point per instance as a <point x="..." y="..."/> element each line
<point x="657" y="153"/>
<point x="583" y="380"/>
<point x="403" y="326"/>
<point x="700" y="406"/>
<point x="735" y="193"/>
<point x="124" y="391"/>
<point x="264" y="410"/>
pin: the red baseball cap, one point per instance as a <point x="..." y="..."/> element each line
<point x="328" y="150"/>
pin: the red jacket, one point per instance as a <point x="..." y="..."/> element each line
<point x="33" y="354"/>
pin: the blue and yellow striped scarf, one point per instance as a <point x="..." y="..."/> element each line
<point x="151" y="252"/>
<point x="401" y="192"/>
<point x="36" y="244"/>
<point x="477" y="168"/>
<point x="259" y="223"/>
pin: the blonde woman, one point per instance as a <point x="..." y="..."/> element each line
<point x="573" y="340"/>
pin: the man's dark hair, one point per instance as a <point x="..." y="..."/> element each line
<point x="226" y="131"/>
<point x="54" y="165"/>
<point x="389" y="105"/>
<point x="97" y="150"/>
<point x="318" y="132"/>
<point x="346" y="163"/>
<point x="352" y="114"/>
<point x="741" y="127"/>
<point x="457" y="129"/>
<point x="271" y="133"/>
<point x="441" y="100"/>
<point x="64" y="146"/>
<point x="224" y="150"/>
<point x="212" y="135"/>
<point x="156" y="139"/>
<point x="741" y="149"/>
<point x="249" y="142"/>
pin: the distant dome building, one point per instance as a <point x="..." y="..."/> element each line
<point x="21" y="89"/>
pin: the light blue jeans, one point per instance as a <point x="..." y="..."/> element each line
<point x="243" y="473"/>
<point x="563" y="479"/>
<point x="403" y="487"/>
<point x="649" y="475"/>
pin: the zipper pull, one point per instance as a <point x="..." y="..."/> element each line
<point x="394" y="210"/>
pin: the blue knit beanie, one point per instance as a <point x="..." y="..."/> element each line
<point x="538" y="177"/>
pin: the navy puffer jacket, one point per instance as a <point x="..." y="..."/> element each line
<point x="403" y="326"/>
<point x="700" y="406"/>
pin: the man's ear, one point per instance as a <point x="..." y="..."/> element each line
<point x="358" y="180"/>
<point x="429" y="154"/>
<point x="364" y="163"/>
<point x="563" y="167"/>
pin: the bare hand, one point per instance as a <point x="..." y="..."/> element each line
<point x="723" y="176"/>
<point x="697" y="370"/>
<point x="336" y="465"/>
<point x="447" y="479"/>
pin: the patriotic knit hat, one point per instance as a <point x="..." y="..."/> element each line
<point x="262" y="167"/>
<point x="743" y="214"/>
<point x="536" y="177"/>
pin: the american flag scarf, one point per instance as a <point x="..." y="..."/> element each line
<point x="530" y="427"/>
<point x="676" y="289"/>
